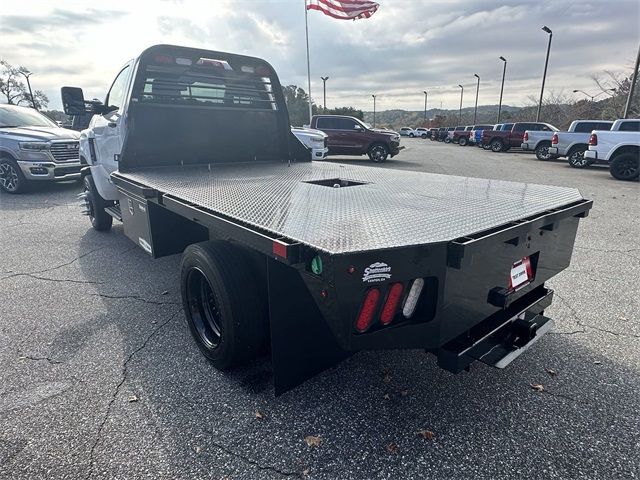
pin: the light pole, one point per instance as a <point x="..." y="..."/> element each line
<point x="593" y="97"/>
<point x="374" y="111"/>
<point x="425" y="105"/>
<point x="544" y="75"/>
<point x="27" y="74"/>
<point x="475" y="111"/>
<point x="324" y="93"/>
<point x="460" y="114"/>
<point x="504" y="71"/>
<point x="632" y="87"/>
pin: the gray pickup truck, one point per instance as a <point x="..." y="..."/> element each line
<point x="34" y="148"/>
<point x="575" y="141"/>
<point x="538" y="140"/>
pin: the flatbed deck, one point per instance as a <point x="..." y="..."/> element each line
<point x="388" y="209"/>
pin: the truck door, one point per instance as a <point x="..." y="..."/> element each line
<point x="329" y="126"/>
<point x="109" y="127"/>
<point x="354" y="138"/>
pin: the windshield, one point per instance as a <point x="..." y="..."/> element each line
<point x="23" y="117"/>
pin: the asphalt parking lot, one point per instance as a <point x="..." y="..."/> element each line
<point x="100" y="378"/>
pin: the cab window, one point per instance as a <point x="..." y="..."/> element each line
<point x="115" y="97"/>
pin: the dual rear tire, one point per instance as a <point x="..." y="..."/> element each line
<point x="225" y="307"/>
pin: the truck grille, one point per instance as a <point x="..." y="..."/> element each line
<point x="65" y="151"/>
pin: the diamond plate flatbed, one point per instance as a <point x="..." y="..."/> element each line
<point x="391" y="209"/>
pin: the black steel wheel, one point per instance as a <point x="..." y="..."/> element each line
<point x="94" y="206"/>
<point x="11" y="178"/>
<point x="378" y="152"/>
<point x="625" y="166"/>
<point x="224" y="304"/>
<point x="463" y="141"/>
<point x="542" y="151"/>
<point x="578" y="160"/>
<point x="496" y="145"/>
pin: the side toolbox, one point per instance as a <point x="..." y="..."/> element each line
<point x="157" y="230"/>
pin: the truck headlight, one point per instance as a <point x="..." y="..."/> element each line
<point x="37" y="146"/>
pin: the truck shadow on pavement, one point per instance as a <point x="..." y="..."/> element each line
<point x="391" y="414"/>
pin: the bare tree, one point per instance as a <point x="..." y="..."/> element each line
<point x="14" y="90"/>
<point x="621" y="83"/>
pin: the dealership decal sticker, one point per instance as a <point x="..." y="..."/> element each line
<point x="377" y="272"/>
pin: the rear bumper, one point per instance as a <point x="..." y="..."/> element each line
<point x="553" y="150"/>
<point x="525" y="146"/>
<point x="50" y="171"/>
<point x="592" y="154"/>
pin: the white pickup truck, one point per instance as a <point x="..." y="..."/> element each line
<point x="575" y="141"/>
<point x="618" y="147"/>
<point x="314" y="140"/>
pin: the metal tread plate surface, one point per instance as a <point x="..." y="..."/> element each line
<point x="392" y="208"/>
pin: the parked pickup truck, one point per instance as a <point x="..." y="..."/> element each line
<point x="618" y="147"/>
<point x="422" y="132"/>
<point x="319" y="260"/>
<point x="503" y="140"/>
<point x="433" y="134"/>
<point x="471" y="138"/>
<point x="497" y="127"/>
<point x="454" y="133"/>
<point x="314" y="140"/>
<point x="462" y="137"/>
<point x="350" y="136"/>
<point x="34" y="148"/>
<point x="407" y="132"/>
<point x="575" y="141"/>
<point x="538" y="140"/>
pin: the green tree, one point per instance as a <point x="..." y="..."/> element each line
<point x="14" y="90"/>
<point x="297" y="101"/>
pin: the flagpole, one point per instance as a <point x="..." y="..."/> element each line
<point x="306" y="27"/>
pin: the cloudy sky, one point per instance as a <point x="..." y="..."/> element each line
<point x="406" y="47"/>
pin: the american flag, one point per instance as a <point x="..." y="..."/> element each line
<point x="344" y="9"/>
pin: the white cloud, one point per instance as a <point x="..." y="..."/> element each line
<point x="405" y="48"/>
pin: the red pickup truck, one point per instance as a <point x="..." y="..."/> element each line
<point x="503" y="140"/>
<point x="350" y="136"/>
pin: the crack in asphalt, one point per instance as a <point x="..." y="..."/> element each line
<point x="574" y="314"/>
<point x="34" y="274"/>
<point x="116" y="391"/>
<point x="566" y="397"/>
<point x="258" y="465"/>
<point x="48" y="279"/>
<point x="132" y="297"/>
<point x="23" y="356"/>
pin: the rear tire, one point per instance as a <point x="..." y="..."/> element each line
<point x="463" y="141"/>
<point x="95" y="204"/>
<point x="542" y="151"/>
<point x="496" y="145"/>
<point x="423" y="136"/>
<point x="625" y="166"/>
<point x="578" y="160"/>
<point x="11" y="178"/>
<point x="224" y="305"/>
<point x="378" y="152"/>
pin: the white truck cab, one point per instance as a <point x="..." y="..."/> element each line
<point x="101" y="142"/>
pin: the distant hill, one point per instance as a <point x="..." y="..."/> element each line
<point x="403" y="118"/>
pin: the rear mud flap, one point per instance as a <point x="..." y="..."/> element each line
<point x="302" y="345"/>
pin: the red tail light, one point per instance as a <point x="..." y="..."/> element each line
<point x="593" y="139"/>
<point x="554" y="139"/>
<point x="526" y="136"/>
<point x="368" y="310"/>
<point x="391" y="305"/>
<point x="164" y="59"/>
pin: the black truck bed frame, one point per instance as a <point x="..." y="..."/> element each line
<point x="461" y="235"/>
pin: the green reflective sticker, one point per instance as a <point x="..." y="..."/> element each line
<point x="316" y="265"/>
